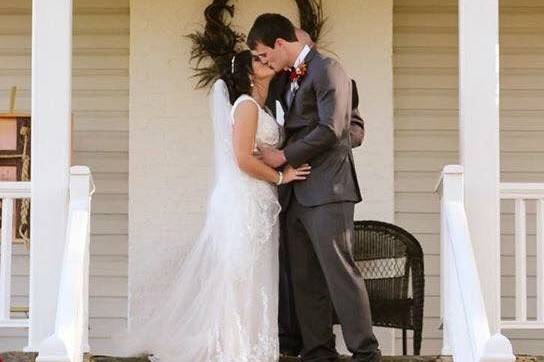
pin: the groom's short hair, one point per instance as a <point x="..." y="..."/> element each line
<point x="267" y="28"/>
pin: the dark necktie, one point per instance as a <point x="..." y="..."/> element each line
<point x="289" y="94"/>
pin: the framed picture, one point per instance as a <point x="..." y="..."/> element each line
<point x="15" y="166"/>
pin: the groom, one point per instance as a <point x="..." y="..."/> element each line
<point x="319" y="211"/>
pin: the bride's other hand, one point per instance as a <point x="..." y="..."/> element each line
<point x="291" y="174"/>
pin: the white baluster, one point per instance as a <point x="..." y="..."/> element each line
<point x="521" y="193"/>
<point x="540" y="259"/>
<point x="452" y="189"/>
<point x="445" y="278"/>
<point x="521" y="260"/>
<point x="6" y="253"/>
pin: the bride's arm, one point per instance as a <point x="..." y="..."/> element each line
<point x="245" y="128"/>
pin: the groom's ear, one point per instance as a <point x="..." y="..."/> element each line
<point x="279" y="42"/>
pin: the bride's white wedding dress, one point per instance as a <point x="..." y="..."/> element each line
<point x="223" y="304"/>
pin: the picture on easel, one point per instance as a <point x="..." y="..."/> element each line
<point x="15" y="163"/>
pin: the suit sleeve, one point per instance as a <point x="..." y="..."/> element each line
<point x="357" y="123"/>
<point x="332" y="89"/>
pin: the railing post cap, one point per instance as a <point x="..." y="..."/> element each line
<point x="447" y="170"/>
<point x="80" y="170"/>
<point x="452" y="169"/>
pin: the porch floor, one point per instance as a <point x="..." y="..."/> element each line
<point x="31" y="357"/>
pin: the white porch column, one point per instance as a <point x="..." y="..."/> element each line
<point x="479" y="140"/>
<point x="51" y="112"/>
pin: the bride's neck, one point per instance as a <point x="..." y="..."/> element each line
<point x="260" y="93"/>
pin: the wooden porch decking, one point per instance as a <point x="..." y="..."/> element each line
<point x="30" y="357"/>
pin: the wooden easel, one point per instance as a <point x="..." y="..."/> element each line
<point x="12" y="113"/>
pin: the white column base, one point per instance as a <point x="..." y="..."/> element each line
<point x="53" y="349"/>
<point x="498" y="349"/>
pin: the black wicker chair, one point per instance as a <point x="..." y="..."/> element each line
<point x="390" y="258"/>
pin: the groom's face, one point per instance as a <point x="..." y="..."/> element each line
<point x="273" y="57"/>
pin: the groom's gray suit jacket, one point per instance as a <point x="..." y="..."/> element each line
<point x="317" y="131"/>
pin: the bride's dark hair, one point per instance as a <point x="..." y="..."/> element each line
<point x="237" y="77"/>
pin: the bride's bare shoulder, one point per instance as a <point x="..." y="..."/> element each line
<point x="245" y="108"/>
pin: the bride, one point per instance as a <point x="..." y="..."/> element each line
<point x="222" y="305"/>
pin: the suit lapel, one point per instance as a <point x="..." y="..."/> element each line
<point x="283" y="82"/>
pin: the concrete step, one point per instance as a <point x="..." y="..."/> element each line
<point x="31" y="357"/>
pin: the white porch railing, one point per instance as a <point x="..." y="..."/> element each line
<point x="70" y="339"/>
<point x="9" y="193"/>
<point x="521" y="193"/>
<point x="466" y="328"/>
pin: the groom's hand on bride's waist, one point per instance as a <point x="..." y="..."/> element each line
<point x="272" y="157"/>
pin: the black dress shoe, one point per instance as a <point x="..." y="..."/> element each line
<point x="288" y="358"/>
<point x="289" y="353"/>
<point x="374" y="356"/>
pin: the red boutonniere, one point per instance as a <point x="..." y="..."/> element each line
<point x="298" y="73"/>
